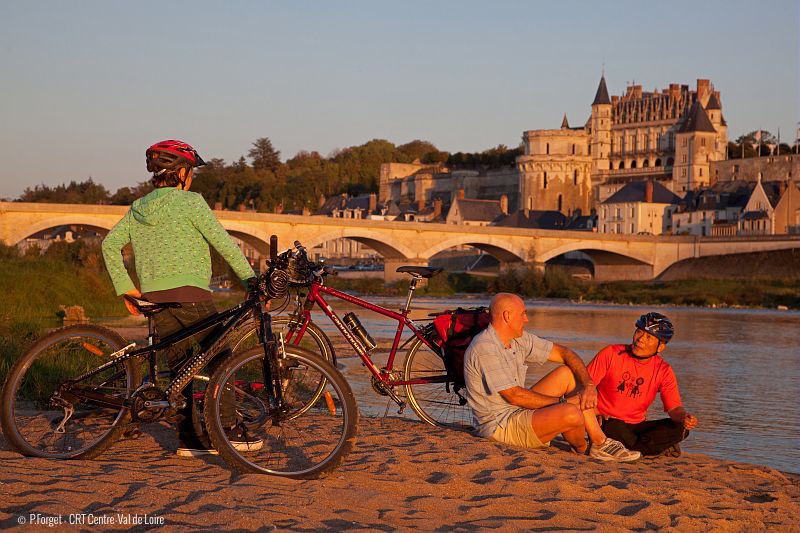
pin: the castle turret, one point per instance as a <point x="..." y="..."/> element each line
<point x="600" y="143"/>
<point x="714" y="111"/>
<point x="696" y="145"/>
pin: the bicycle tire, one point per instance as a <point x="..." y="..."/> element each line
<point x="320" y="343"/>
<point x="300" y="447"/>
<point x="246" y="337"/>
<point x="438" y="404"/>
<point x="29" y="421"/>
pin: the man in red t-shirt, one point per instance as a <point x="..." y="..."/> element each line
<point x="627" y="379"/>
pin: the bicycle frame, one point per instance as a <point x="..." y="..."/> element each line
<point x="315" y="296"/>
<point x="229" y="320"/>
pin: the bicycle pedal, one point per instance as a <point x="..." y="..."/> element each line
<point x="174" y="419"/>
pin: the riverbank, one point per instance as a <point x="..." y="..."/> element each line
<point x="756" y="293"/>
<point x="401" y="475"/>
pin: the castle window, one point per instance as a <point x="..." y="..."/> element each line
<point x="683" y="158"/>
<point x="575" y="178"/>
<point x="547" y="147"/>
<point x="622" y="164"/>
<point x="702" y="142"/>
<point x="610" y="165"/>
<point x="658" y="162"/>
<point x="633" y="164"/>
<point x="646" y="163"/>
<point x="545" y="180"/>
<point x="701" y="172"/>
<point x="573" y="149"/>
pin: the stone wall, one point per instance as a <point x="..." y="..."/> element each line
<point x="772" y="168"/>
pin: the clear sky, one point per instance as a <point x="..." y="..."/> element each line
<point x="87" y="85"/>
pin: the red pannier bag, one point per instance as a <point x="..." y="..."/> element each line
<point x="456" y="330"/>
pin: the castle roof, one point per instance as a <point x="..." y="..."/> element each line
<point x="713" y="102"/>
<point x="564" y="123"/>
<point x="532" y="219"/>
<point x="481" y="210"/>
<point x="697" y="120"/>
<point x="343" y="202"/>
<point x="602" y="93"/>
<point x="636" y="191"/>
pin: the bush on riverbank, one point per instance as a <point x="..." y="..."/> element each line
<point x="33" y="286"/>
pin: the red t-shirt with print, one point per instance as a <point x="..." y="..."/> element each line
<point x="626" y="386"/>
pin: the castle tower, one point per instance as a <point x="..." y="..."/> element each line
<point x="600" y="141"/>
<point x="696" y="145"/>
<point x="555" y="169"/>
<point x="714" y="111"/>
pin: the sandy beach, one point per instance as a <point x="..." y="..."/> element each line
<point x="401" y="475"/>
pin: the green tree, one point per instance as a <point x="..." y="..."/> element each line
<point x="85" y="192"/>
<point x="264" y="156"/>
<point x="414" y="150"/>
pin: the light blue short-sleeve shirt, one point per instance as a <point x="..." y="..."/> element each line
<point x="490" y="367"/>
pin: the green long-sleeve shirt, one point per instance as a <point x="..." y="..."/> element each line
<point x="170" y="230"/>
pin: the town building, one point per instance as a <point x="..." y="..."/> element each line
<point x="740" y="207"/>
<point x="524" y="218"/>
<point x="640" y="207"/>
<point x="471" y="212"/>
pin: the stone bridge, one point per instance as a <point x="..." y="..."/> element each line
<point x="614" y="256"/>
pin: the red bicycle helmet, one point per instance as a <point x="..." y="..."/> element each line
<point x="171" y="155"/>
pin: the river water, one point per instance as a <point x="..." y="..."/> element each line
<point x="738" y="370"/>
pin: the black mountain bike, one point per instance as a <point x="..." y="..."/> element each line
<point x="79" y="388"/>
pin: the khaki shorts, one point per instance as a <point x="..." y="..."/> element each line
<point x="519" y="431"/>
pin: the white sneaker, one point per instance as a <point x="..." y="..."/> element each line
<point x="613" y="450"/>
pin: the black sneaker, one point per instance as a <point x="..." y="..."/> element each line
<point x="242" y="441"/>
<point x="194" y="446"/>
<point x="195" y="452"/>
<point x="672" y="451"/>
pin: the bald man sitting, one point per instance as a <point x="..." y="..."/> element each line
<point x="563" y="402"/>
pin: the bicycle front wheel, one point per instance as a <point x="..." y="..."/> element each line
<point x="434" y="399"/>
<point x="314" y="339"/>
<point x="40" y="424"/>
<point x="308" y="438"/>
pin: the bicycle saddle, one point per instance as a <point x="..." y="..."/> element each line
<point x="418" y="271"/>
<point x="149" y="308"/>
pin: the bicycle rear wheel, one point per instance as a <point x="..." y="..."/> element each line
<point x="313" y="434"/>
<point x="437" y="402"/>
<point x="32" y="420"/>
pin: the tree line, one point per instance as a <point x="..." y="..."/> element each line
<point x="262" y="181"/>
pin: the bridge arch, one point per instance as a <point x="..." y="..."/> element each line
<point x="387" y="250"/>
<point x="620" y="249"/>
<point x="504" y="251"/>
<point x="54" y="222"/>
<point x="251" y="235"/>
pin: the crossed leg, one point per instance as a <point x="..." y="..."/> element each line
<point x="564" y="418"/>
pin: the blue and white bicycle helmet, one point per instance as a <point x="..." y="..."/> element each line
<point x="656" y="325"/>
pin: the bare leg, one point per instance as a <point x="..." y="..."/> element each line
<point x="561" y="382"/>
<point x="562" y="418"/>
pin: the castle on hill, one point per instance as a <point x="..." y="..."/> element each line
<point x="670" y="136"/>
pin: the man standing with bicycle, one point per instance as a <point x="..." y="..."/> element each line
<point x="170" y="230"/>
<point x="563" y="402"/>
